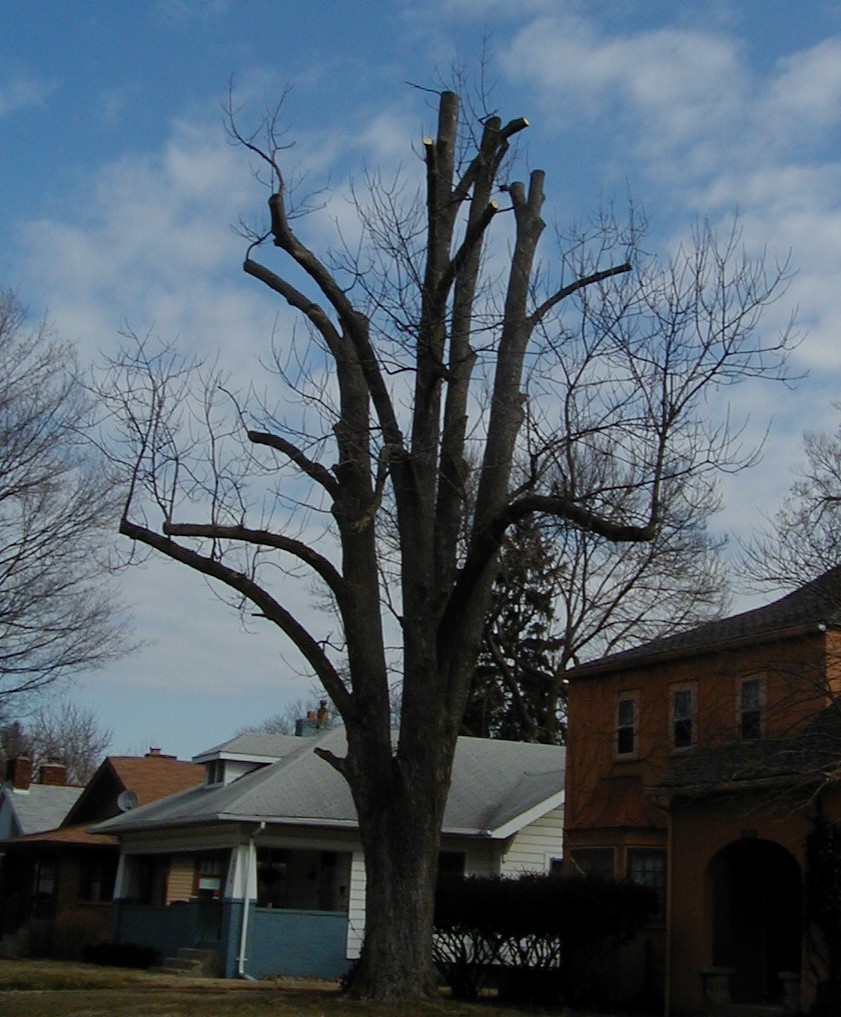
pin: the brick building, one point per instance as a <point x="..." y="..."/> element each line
<point x="694" y="764"/>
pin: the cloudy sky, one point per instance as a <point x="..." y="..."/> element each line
<point x="120" y="191"/>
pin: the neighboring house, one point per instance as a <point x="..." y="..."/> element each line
<point x="264" y="862"/>
<point x="694" y="765"/>
<point x="29" y="807"/>
<point x="57" y="880"/>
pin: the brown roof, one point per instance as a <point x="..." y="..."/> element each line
<point x="152" y="777"/>
<point x="816" y="604"/>
<point x="77" y="835"/>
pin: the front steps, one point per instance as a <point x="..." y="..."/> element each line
<point x="193" y="963"/>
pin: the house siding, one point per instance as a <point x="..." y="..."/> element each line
<point x="181" y="878"/>
<point x="167" y="929"/>
<point x="356" y="906"/>
<point x="534" y="848"/>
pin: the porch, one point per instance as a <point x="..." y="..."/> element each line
<point x="277" y="941"/>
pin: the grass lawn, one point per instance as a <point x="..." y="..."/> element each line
<point x="36" y="988"/>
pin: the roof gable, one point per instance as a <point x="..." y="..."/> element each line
<point x="41" y="807"/>
<point x="150" y="777"/>
<point x="250" y="746"/>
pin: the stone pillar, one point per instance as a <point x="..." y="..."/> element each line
<point x="790" y="981"/>
<point x="717" y="983"/>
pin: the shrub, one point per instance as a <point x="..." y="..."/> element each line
<point x="550" y="935"/>
<point x="122" y="955"/>
<point x="75" y="933"/>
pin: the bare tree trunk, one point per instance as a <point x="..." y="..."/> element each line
<point x="399" y="822"/>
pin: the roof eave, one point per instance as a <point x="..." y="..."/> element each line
<point x="612" y="665"/>
<point x="666" y="796"/>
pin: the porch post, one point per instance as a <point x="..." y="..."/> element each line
<point x="244" y="886"/>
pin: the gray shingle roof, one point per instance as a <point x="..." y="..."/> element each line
<point x="42" y="807"/>
<point x="815" y="604"/>
<point x="250" y="745"/>
<point x="493" y="784"/>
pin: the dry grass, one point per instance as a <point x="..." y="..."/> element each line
<point x="34" y="988"/>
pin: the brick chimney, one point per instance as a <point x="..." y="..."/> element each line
<point x="19" y="772"/>
<point x="53" y="773"/>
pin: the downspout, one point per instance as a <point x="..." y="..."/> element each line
<point x="246" y="900"/>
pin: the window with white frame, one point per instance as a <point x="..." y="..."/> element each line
<point x="627" y="711"/>
<point x="683" y="717"/>
<point x="647" y="866"/>
<point x="594" y="861"/>
<point x="751" y="695"/>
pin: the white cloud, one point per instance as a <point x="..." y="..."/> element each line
<point x="148" y="240"/>
<point x="24" y="90"/>
<point x="804" y="96"/>
<point x="677" y="83"/>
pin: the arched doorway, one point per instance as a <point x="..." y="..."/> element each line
<point x="756" y="910"/>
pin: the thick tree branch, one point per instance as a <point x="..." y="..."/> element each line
<point x="296" y="299"/>
<point x="473" y="238"/>
<point x="253" y="592"/>
<point x="492" y="150"/>
<point x="354" y="324"/>
<point x="487" y="543"/>
<point x="263" y="538"/>
<point x="565" y="291"/>
<point x="315" y="471"/>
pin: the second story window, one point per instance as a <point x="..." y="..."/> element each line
<point x="750" y="708"/>
<point x="626" y="725"/>
<point x="683" y="735"/>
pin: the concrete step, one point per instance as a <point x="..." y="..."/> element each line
<point x="193" y="962"/>
<point x="748" y="1010"/>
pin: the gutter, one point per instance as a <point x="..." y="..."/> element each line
<point x="246" y="900"/>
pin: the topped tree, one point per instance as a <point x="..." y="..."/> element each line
<point x="581" y="398"/>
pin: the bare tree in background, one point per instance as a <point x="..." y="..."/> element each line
<point x="285" y="721"/>
<point x="563" y="595"/>
<point x="58" y="615"/>
<point x="803" y="539"/>
<point x="580" y="387"/>
<point x="61" y="731"/>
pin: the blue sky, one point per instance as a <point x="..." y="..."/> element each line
<point x="120" y="190"/>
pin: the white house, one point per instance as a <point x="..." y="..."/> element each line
<point x="263" y="862"/>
